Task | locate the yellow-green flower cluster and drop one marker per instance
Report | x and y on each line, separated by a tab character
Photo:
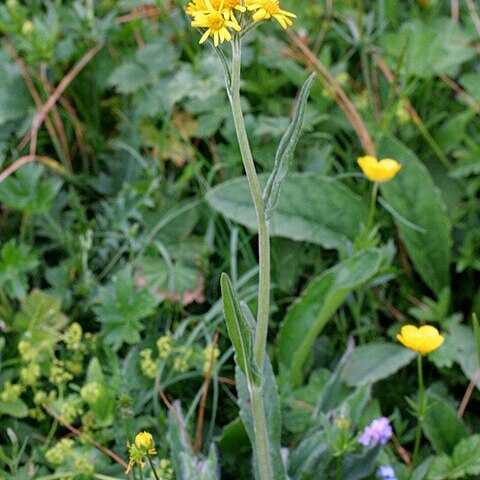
220	17
165	470
209	357
148	365
56	455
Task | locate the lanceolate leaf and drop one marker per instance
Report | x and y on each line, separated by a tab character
286	149
308	316
414	196
239	330
312	208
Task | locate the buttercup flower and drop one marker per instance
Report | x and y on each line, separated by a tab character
136	451
265	9
378	432
378	170
386	472
216	22
424	340
144	441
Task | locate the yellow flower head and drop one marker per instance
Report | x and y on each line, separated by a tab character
378	170
196	6
144	441
265	9
216	22
424	340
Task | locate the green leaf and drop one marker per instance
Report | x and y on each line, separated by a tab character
311	457
442	426
25	190
239	330
360	465
414	196
286	149
129	77
121	307
177	440
271	401
14	408
307	317
312	208
15	262
375	361
464	461
476	335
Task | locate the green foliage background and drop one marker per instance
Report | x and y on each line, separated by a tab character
112	243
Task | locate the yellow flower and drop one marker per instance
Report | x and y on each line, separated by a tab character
378	170
265	9
424	340
216	22
196	6
144	441
136	451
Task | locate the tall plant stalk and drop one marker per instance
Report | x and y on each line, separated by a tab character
261	446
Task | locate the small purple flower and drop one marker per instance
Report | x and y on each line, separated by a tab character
378	432
386	472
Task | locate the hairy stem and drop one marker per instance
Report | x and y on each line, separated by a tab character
261	446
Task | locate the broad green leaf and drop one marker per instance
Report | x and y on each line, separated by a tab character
271	401
311	457
465	461
312	208
307	317
14	408
442	426
239	330
357	466
121	307
462	337
15	262
205	469
375	361
27	192
414	196
285	150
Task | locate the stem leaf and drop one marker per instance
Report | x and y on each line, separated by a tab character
286	149
240	325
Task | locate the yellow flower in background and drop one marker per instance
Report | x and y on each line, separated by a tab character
265	9
424	340
144	441
378	170
196	6
136	451
216	22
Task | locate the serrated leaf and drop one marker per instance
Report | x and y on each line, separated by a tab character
375	361
312	208
129	77
310	313
239	330
464	461
26	191
15	262
286	149
120	308
414	196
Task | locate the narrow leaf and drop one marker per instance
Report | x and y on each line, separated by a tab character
286	149
239	329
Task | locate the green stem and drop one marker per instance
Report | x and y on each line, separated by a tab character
256	191
373	204
153	468
420	411
141	472
262	447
